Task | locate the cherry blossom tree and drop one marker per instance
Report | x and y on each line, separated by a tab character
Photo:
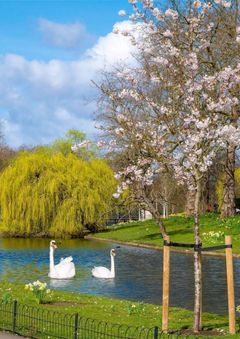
174	108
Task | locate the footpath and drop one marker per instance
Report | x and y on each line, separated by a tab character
8	335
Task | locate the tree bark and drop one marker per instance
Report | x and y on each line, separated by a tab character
152	207
197	264
228	208
156	215
228	200
189	208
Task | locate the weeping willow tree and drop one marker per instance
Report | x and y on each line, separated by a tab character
54	195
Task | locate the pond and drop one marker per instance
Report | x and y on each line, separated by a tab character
138	272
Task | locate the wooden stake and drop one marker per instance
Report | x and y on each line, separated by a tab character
200	325
230	286
166	280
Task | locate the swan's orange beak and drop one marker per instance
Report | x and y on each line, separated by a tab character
114	253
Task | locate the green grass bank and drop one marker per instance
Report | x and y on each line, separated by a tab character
179	228
114	310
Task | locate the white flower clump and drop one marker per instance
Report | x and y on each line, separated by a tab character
224	3
147	3
39	289
122	12
38	285
83	144
213	236
171	13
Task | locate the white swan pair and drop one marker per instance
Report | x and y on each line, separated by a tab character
64	270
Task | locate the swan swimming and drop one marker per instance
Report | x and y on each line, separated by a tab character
64	270
103	272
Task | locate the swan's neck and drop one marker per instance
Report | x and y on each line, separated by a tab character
51	256
112	266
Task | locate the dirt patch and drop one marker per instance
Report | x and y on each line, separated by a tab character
207	333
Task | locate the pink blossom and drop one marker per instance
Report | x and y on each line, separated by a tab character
171	13
197	3
122	12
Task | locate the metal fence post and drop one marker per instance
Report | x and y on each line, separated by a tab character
76	326
14	315
155	333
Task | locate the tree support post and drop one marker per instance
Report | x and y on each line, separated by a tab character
230	285
166	281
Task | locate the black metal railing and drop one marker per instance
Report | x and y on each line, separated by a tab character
36	322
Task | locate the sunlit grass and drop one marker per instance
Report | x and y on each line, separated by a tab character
112	310
179	228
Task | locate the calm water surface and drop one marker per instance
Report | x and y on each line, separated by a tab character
138	271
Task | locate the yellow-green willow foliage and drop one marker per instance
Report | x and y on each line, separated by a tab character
219	186
54	195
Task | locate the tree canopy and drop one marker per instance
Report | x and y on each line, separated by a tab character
64	145
57	195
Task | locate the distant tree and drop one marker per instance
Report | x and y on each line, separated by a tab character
64	145
54	195
6	155
220	186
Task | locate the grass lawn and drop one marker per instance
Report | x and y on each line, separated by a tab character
113	310
179	228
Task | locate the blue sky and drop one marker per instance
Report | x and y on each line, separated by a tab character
50	51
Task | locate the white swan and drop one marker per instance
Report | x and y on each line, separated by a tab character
103	272
64	270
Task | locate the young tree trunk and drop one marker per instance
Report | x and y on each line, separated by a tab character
197	264
152	207
156	215
189	208
228	199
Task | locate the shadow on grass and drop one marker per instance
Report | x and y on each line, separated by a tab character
118	227
153	236
181	231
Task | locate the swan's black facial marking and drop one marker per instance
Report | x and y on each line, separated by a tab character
53	244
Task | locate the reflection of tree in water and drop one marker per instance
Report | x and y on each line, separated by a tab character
39	243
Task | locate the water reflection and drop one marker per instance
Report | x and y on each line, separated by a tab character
56	283
138	272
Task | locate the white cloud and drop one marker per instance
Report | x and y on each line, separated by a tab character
12	133
62	35
45	99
